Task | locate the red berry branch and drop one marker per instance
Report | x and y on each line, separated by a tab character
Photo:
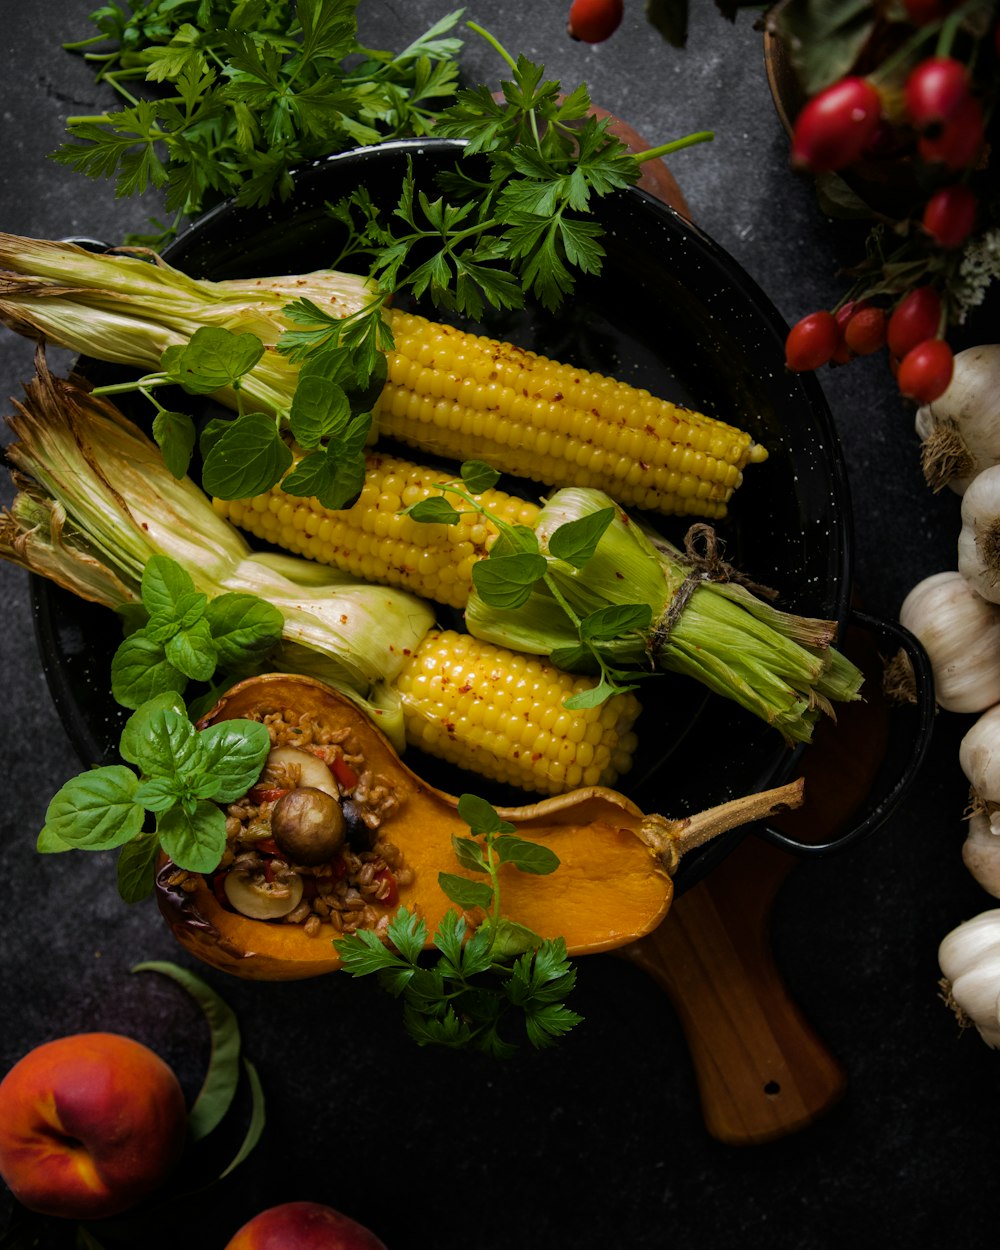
918	102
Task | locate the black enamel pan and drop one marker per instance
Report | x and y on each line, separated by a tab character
671	312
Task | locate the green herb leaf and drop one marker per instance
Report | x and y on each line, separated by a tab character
175	435
214	358
511	939
478	477
481	816
507	581
136	867
616	620
192	652
320	409
136	732
464	892
576	541
434	510
527	856
140	671
469	854
195	841
246	459
595	696
96	810
233	753
244	628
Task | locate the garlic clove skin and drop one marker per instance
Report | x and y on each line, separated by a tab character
979	539
960	631
960	431
981	852
969	958
979	756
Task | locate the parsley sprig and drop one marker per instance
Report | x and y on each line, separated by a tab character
244	93
518	220
479	978
517	568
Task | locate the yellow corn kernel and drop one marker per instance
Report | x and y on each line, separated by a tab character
501	715
375	544
465	397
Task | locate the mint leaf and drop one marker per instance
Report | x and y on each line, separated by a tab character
175	435
192	652
164	585
245	459
96	810
214	358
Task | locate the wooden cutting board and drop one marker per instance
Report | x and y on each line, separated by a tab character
761	1068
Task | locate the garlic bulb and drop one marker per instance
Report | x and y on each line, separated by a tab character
960	631
960	431
981	852
979	757
969	958
979	540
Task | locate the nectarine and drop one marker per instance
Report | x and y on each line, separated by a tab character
90	1124
303	1226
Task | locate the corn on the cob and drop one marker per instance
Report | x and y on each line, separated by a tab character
501	714
372	541
465	397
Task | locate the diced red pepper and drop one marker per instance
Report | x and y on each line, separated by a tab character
266	794
268	846
392	897
344	773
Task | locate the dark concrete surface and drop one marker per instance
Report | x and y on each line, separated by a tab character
602	1142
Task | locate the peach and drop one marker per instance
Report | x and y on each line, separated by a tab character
89	1125
303	1226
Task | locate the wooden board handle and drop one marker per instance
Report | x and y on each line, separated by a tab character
762	1071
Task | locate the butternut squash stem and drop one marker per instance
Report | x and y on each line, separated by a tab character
671	839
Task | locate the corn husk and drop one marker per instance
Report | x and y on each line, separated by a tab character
780	666
95	501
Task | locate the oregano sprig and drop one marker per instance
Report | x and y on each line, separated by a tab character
480	978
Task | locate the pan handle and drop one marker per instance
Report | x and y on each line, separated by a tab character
920	723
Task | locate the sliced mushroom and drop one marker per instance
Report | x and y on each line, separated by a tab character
308	825
306	767
259	899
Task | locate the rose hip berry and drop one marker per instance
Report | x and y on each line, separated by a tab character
593	21
865	331
915	318
935	90
811	342
925	371
950	214
956	144
836	125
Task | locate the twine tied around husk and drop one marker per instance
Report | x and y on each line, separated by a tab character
703	556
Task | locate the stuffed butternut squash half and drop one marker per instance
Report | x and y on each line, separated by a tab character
338	834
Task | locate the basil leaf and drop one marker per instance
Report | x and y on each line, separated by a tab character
478	476
246	459
576	541
140	671
244	628
97	809
175	435
136	731
156	794
170	745
194	842
616	620
192	651
233	753
464	892
507	581
213	358
136	867
481	816
527	856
